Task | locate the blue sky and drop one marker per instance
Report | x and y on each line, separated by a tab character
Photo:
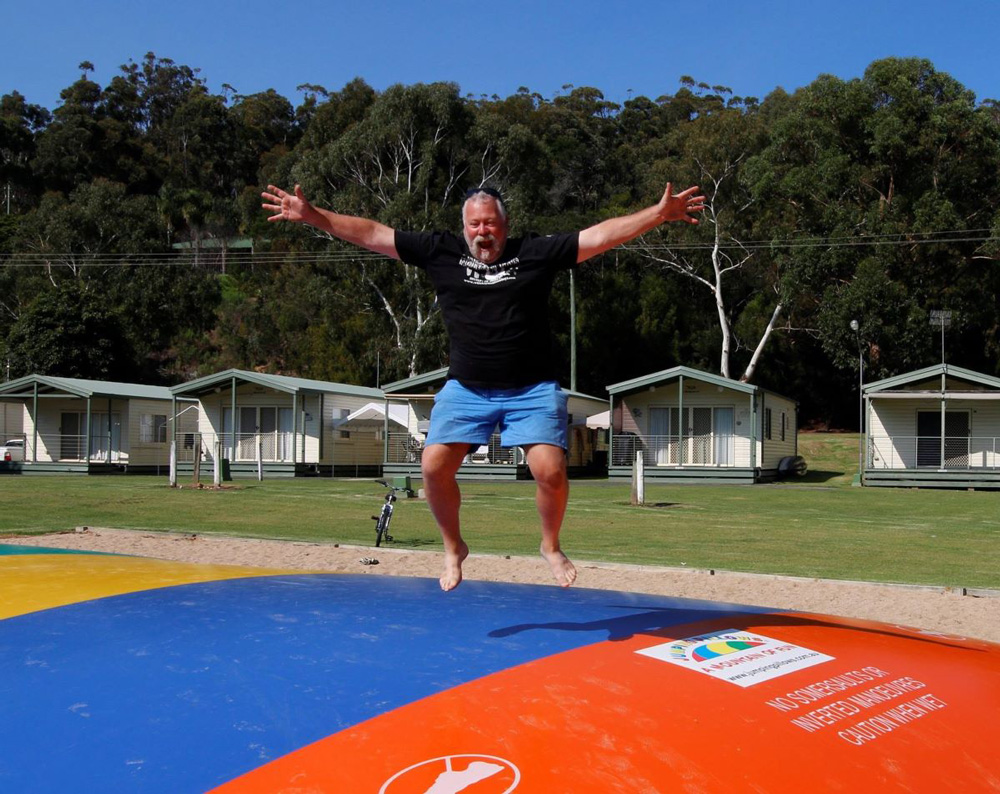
636	46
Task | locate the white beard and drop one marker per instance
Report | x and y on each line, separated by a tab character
484	254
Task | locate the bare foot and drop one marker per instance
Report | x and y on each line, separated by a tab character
562	569
452	576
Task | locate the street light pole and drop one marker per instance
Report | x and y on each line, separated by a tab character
856	327
572	331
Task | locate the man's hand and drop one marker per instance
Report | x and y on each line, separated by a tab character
287	207
295	208
607	234
680	207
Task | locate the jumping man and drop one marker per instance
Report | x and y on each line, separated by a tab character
494	294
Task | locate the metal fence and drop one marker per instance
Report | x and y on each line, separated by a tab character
270	447
961	453
406	448
70	448
703	450
64	447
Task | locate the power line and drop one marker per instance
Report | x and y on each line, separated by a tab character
186	259
909	238
215	257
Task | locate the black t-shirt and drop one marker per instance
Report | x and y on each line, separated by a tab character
496	315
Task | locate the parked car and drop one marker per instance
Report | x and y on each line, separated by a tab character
13	449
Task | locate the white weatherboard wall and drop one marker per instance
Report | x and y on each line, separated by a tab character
57	442
636	407
155	452
418	414
314	411
13	419
893	427
784	422
697	394
344	445
53	441
249	395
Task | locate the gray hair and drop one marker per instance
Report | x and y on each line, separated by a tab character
481	194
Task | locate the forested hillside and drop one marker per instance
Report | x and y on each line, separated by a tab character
133	246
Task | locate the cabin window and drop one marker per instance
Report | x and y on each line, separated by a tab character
153	428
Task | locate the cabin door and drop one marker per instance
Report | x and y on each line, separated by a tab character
70	437
956	439
663	435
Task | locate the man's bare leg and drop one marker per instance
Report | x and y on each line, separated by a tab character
439	464
548	467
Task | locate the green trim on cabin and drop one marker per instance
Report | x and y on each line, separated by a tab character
407	385
469	472
692	475
80	387
216	244
283	383
948	370
916	478
424	379
678	372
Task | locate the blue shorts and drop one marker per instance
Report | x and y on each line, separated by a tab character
527	415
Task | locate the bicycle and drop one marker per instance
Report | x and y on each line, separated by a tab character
384	517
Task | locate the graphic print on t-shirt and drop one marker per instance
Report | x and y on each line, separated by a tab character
481	274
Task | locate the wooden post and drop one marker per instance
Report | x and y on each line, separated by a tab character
217	474
173	464
638	479
196	463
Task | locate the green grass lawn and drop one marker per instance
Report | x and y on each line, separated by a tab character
817	525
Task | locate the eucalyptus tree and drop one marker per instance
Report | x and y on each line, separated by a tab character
579	130
887	182
404	163
722	257
263	126
68	149
60	301
103	246
70	331
97	221
506	150
20	123
322	122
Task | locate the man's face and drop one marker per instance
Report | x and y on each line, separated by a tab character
485	229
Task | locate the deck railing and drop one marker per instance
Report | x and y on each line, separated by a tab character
70	448
406	448
961	453
270	447
704	450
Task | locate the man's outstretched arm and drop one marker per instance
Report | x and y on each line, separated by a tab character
295	208
607	234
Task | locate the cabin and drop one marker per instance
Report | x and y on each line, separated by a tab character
693	426
413	400
80	426
284	426
937	427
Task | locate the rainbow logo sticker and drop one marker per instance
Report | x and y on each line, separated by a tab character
736	656
713	650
